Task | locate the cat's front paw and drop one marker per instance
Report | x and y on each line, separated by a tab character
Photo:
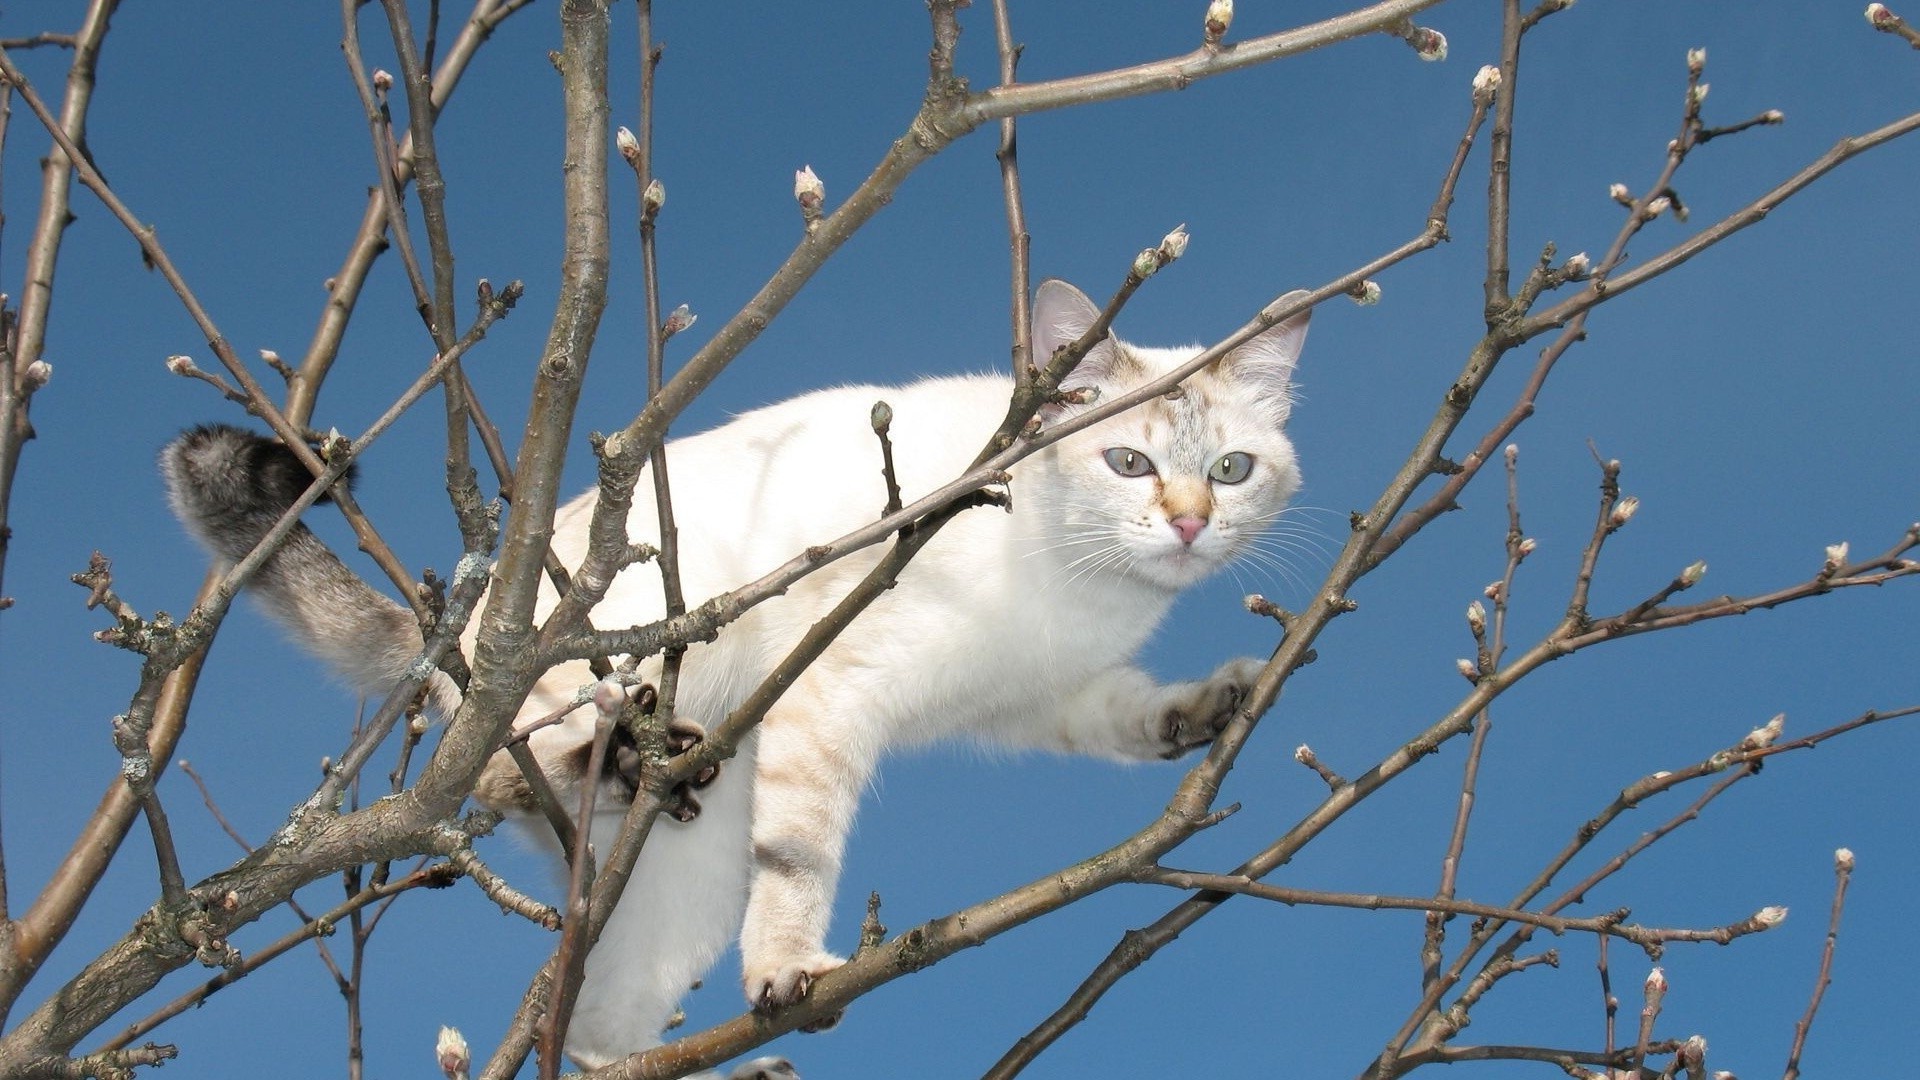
624	763
1193	714
785	981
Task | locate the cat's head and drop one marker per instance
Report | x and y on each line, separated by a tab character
1175	488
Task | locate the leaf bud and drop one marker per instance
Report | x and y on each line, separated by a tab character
808	191
1836	556
1174	244
1623	511
1766	734
451	1050
678	319
1486	83
1219	20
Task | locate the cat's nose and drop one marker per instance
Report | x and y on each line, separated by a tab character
1188	526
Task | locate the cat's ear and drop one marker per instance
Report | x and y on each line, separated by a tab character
1061	314
1266	362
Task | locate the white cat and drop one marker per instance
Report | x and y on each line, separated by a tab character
1012	628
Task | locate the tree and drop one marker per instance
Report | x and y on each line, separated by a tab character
1744	367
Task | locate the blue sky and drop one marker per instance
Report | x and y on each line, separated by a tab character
1762	398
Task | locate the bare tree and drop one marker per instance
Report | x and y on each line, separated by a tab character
95	1020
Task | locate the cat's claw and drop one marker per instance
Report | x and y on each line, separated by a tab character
1198	711
788	982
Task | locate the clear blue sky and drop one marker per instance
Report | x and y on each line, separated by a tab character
1762	398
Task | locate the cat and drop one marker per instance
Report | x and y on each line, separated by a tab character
1012	628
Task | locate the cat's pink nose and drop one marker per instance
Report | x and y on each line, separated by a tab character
1188	526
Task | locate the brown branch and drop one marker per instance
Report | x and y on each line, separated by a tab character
1887	22
1609	924
569	958
260	404
1843	873
24	333
431	877
1019	241
343	288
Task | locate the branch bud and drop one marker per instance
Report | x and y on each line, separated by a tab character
627	143
1477	618
1623	511
1303	754
881	417
451	1050
653	198
678	319
1512	452
1146	263
1486	83
1526	547
181	365
1693	573
1428	44
382	80
1174	244
1219	20
809	192
37	375
1366	294
1698	93
1696	61
1770	916
1693	1052
1619	193
1843	859
1492	591
1577	267
1766	734
1773	116
1836	557
1879	17
1656	982
1468	670
1657	207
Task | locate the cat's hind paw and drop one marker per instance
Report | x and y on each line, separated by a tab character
1194	713
775	986
764	1068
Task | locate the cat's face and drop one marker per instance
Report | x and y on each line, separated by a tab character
1172	490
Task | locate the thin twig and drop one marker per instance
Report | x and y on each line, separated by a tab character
1019	241
1843	873
431	877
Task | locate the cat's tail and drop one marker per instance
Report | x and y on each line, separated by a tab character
228	486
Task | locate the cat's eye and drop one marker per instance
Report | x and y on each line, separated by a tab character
1128	462
1232	468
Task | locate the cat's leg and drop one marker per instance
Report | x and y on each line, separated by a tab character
813	762
1123	713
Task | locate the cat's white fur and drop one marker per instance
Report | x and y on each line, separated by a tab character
1013	628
